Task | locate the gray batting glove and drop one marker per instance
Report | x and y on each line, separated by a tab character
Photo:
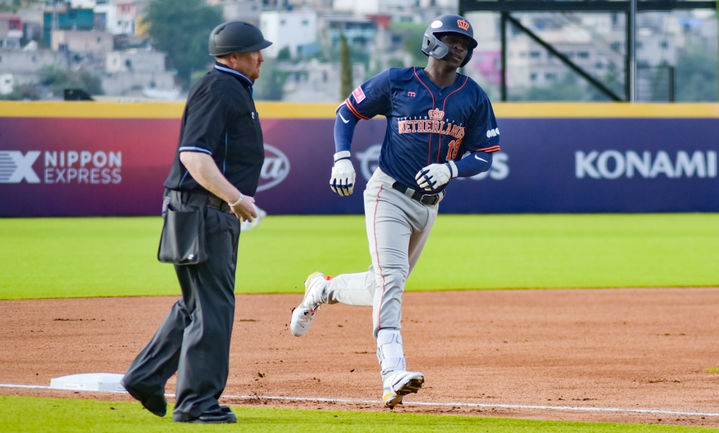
342	180
433	176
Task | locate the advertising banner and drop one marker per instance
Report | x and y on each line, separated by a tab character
87	166
76	167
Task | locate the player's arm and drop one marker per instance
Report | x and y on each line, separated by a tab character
343	173
345	123
433	176
472	164
371	98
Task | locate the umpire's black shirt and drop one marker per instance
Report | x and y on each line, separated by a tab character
220	119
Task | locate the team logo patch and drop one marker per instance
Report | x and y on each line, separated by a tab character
463	24
358	95
411	94
436	114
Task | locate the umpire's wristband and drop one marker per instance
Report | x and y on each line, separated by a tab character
239	200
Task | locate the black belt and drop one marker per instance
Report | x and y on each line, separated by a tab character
428	199
200	198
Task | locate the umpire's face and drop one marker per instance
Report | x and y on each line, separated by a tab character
248	64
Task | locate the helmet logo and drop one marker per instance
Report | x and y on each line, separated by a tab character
436	114
463	24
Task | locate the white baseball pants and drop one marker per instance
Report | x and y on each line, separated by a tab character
397	230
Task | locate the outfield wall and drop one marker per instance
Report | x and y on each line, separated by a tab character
102	158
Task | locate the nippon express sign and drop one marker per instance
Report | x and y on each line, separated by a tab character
101	167
61	167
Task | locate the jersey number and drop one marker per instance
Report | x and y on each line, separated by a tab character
453	149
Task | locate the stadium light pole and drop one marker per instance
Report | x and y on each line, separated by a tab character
633	51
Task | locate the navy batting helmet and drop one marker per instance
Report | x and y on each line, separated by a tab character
236	37
432	46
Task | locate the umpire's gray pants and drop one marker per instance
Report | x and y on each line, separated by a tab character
194	338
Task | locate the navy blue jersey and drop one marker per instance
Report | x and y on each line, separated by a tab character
425	124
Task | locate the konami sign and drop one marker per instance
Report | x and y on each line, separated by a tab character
613	164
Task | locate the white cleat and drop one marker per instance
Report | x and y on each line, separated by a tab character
304	314
398	384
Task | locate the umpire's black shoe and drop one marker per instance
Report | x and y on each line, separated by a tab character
155	403
221	416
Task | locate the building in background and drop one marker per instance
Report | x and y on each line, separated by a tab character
100	37
138	73
596	42
242	10
118	17
10	30
82	42
359	31
294	30
7	84
60	17
23	65
108	38
427	9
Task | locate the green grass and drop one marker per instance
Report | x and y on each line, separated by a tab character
77	257
50	415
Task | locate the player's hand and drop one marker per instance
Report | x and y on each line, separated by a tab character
433	176
343	174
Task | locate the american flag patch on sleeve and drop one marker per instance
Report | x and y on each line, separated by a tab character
358	94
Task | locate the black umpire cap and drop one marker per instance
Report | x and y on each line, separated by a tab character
236	37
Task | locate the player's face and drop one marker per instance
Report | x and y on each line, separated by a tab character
458	48
248	64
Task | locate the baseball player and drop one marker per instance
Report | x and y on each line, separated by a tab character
440	125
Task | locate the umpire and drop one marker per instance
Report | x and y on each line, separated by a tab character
208	193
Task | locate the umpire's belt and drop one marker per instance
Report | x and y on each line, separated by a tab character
428	199
200	198
216	202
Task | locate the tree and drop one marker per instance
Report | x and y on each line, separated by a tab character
23	92
14	5
659	78
412	35
696	74
181	29
345	67
611	81
569	87
284	54
52	81
269	87
57	80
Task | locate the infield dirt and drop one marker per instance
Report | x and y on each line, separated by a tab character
626	349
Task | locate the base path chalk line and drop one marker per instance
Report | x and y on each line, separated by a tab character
418	403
